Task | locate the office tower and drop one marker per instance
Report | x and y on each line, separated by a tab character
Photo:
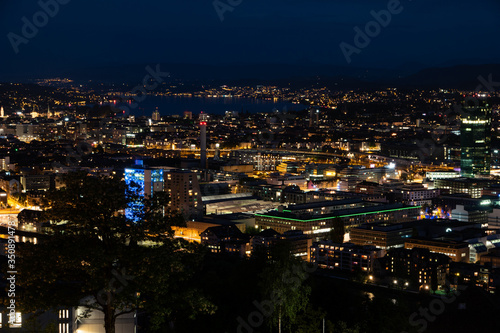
144	182
475	138
217	152
5	163
203	140
147	180
184	192
314	117
156	115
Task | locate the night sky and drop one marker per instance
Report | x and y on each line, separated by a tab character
115	32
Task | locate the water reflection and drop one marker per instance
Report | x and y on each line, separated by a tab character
371	297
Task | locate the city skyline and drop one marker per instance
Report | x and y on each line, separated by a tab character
249	166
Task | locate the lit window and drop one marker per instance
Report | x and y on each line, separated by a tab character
17	320
64	328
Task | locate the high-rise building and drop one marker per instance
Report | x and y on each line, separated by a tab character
475	138
145	182
203	140
148	181
181	185
314	117
184	192
156	115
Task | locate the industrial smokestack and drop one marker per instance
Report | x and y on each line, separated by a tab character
203	140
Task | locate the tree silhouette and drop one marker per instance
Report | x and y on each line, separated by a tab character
337	231
282	284
97	258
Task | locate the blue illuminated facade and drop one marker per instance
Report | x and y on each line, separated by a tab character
144	182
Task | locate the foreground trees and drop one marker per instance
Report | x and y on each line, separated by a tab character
283	287
96	257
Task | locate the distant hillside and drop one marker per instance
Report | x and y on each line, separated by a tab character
301	75
230	72
459	77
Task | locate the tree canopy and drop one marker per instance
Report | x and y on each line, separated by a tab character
97	257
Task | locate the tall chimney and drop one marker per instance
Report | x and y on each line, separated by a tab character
203	140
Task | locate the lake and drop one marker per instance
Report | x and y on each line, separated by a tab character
172	105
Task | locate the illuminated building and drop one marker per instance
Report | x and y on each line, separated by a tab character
288	180
457	251
26	132
36	182
420	266
475	139
5	164
345	257
472	214
225	239
184	192
235	203
289	167
368	188
370	146
203	140
3	198
433	175
320	225
348	184
147	180
381	235
451	153
144	183
417	195
261	160
314	117
492	258
494	219
320	171
298	243
472	187
156	115
368	174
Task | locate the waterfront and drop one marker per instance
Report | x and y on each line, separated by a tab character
173	105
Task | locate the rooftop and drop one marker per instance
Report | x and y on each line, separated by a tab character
339	213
